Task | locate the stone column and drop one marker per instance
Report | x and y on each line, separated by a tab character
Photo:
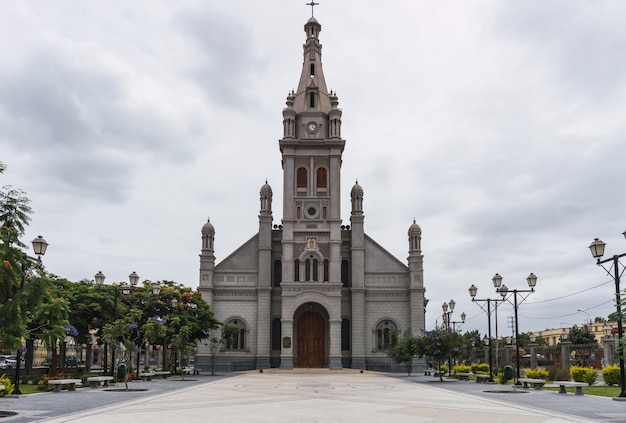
565	355
508	353
286	353
533	356
607	344
334	358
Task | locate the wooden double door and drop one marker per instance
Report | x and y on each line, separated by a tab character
311	340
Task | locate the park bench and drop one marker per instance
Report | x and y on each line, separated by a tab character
537	383
482	378
94	381
463	376
190	370
2	388
147	376
60	382
162	374
567	384
428	372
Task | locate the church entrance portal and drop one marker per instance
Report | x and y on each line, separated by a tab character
311	340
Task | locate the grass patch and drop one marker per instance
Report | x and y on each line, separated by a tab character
601	391
26	389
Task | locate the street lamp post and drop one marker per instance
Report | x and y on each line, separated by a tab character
39	247
446	318
597	251
503	290
473	291
99	278
174	303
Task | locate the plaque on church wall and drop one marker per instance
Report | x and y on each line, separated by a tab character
286	342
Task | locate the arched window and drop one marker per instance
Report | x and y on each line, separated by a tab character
238	340
386	335
278	272
345	273
312	99
345	335
296	271
311	269
326	270
307	270
276	333
322	181
312	73
301	178
298	213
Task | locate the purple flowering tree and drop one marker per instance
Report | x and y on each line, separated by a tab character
438	344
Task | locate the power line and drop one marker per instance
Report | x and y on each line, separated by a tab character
568	295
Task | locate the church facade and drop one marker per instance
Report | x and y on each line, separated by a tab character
312	291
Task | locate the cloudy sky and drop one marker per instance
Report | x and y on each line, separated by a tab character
498	125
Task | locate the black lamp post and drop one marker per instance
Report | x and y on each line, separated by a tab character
39	247
597	251
174	303
473	291
125	289
504	291
446	318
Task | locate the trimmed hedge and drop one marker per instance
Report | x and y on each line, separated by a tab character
584	374
611	375
537	374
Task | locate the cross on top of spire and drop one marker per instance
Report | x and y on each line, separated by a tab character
312	4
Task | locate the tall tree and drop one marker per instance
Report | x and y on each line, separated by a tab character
438	344
14	215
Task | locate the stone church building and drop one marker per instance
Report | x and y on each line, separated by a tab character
311	291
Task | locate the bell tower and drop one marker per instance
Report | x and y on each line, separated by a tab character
311	150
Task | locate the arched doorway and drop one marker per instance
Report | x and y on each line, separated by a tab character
311	340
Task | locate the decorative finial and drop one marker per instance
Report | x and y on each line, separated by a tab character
312	4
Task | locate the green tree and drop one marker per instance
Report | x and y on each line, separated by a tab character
216	339
403	351
438	344
14	214
583	342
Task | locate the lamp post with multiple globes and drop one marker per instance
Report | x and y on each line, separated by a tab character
503	290
597	251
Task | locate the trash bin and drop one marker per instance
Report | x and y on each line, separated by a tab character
121	371
507	372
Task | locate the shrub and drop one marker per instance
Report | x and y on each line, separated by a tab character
8	386
537	374
611	375
443	369
557	373
480	368
584	374
461	368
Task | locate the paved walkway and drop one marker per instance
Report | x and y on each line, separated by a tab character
278	396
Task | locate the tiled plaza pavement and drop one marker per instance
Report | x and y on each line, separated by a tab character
295	396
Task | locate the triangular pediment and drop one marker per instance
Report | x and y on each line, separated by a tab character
244	258
379	260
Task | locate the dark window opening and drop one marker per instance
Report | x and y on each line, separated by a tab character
345	335
322	181
276	333
311	99
301	178
296	272
326	271
312	69
278	272
345	273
